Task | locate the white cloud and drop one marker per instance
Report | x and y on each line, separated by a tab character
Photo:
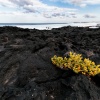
37	11
81	3
36	6
6	3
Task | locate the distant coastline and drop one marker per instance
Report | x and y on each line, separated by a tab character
48	26
29	23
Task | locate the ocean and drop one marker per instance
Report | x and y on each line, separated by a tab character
49	26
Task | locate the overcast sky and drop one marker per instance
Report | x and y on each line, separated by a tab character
49	11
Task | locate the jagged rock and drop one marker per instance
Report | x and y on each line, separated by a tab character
26	71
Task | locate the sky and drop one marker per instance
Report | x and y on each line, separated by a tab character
49	11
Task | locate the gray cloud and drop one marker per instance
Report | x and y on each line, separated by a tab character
29	9
89	16
21	2
67	16
46	15
76	1
74	16
56	14
26	5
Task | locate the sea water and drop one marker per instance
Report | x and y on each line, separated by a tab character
49	26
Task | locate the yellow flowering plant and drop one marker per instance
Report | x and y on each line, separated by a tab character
76	63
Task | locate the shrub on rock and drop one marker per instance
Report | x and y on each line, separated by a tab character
76	63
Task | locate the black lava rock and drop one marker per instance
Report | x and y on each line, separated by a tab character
26	71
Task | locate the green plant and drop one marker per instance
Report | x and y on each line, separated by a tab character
76	63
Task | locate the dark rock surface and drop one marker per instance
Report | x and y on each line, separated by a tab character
26	71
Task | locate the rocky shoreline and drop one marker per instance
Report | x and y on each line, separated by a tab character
26	71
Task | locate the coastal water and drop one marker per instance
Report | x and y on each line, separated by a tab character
49	26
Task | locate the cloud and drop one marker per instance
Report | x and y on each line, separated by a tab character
37	11
73	1
29	9
74	16
81	3
37	7
56	14
89	16
46	15
21	2
6	3
34	11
